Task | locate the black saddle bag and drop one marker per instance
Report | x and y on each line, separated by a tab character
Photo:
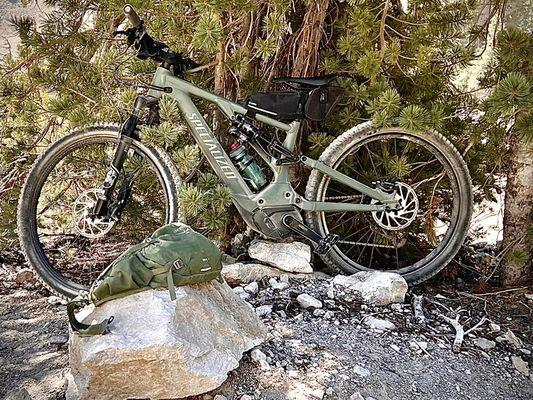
314	105
283	106
321	101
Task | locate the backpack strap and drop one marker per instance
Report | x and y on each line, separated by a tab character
80	327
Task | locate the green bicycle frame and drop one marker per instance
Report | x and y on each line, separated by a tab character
279	192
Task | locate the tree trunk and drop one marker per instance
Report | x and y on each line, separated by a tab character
518	211
518	215
308	40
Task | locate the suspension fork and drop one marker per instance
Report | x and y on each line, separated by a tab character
126	136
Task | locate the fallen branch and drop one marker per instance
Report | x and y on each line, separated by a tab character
459	331
476	326
418	309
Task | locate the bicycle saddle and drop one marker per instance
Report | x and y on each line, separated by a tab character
317	81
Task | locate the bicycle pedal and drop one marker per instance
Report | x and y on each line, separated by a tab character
326	243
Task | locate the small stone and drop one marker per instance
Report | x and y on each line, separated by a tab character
422	345
274	284
529	296
55	301
318	312
59	340
330	391
330	293
317	394
264	310
361	371
494	327
220	397
378	323
520	365
239	291
484	344
510	338
246	397
395	348
329	314
375	287
24	275
525	352
356	396
252	288
308	301
260	358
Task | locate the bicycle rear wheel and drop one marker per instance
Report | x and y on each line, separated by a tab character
432	184
66	247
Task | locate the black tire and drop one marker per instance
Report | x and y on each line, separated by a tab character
442	254
39	173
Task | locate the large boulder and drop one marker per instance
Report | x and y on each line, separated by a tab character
159	348
291	257
375	287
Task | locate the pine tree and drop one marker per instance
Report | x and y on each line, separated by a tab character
508	122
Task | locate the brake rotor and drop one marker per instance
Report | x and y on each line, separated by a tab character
87	226
395	220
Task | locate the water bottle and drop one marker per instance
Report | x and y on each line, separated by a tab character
247	166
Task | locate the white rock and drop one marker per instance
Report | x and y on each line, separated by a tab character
220	397
252	288
395	348
246	397
375	287
510	338
494	327
529	296
239	291
264	310
378	323
520	365
484	344
290	257
159	348
242	274
356	396
260	358
274	284
307	301
361	371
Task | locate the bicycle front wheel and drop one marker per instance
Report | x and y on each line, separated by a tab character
432	185
66	247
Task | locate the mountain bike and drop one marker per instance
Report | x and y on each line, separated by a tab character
376	199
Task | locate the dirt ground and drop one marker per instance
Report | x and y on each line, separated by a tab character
311	357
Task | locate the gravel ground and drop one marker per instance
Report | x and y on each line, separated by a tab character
326	354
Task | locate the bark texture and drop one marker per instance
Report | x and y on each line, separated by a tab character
518	214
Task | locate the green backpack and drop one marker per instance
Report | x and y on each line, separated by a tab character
174	255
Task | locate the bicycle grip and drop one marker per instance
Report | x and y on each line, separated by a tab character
132	15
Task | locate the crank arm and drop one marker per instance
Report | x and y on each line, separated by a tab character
323	243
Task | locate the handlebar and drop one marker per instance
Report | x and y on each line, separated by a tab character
133	17
147	47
